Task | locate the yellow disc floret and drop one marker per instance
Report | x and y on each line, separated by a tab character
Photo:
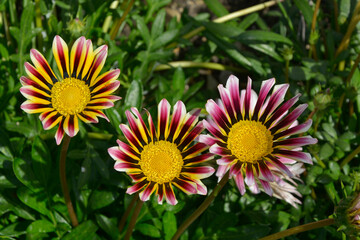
70	96
249	141
161	161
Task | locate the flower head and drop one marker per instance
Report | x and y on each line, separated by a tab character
348	216
158	159
80	93
251	134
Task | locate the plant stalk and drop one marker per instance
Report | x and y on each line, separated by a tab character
133	220
202	207
350	156
299	229
189	64
127	212
64	186
115	29
231	16
354	67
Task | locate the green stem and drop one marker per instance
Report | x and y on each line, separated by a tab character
354	67
115	29
350	156
299	229
189	64
133	220
127	212
229	17
202	207
64	186
38	23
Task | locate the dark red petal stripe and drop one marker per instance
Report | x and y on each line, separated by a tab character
96	63
227	103
105	79
191	136
36	74
61	54
78	53
247	99
289	119
44	64
264	91
193	115
28	82
281	110
134	127
198	147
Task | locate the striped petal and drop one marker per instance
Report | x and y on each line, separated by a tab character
295	142
163	119
169	194
36	76
146	193
61	55
233	86
218	115
34	107
297	156
98	63
85	65
51	120
59	135
185	186
198	172
239	180
42	66
137	187
264	91
71	125
77	56
179	114
228	106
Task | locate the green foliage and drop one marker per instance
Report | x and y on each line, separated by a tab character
278	42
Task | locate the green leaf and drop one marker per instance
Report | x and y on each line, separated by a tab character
114	117
144	31
41	226
216	7
101	198
306	10
101	166
169	225
23	171
148	230
260	36
178	84
229	49
158	24
108	225
41	161
193	89
223	29
268	50
164	39
326	151
15	229
36	200
134	95
248	21
85	230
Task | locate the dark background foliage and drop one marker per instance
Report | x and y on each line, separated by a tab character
147	41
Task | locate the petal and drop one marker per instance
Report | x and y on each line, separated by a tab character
198	172
221	151
199	159
267	187
28	82
71	125
275	100
61	55
132	139
194	150
228	106
265	172
289	119
295	142
163	119
36	76
137	187
146	193
207	139
98	64
42	66
214	130
232	85
35	95
201	188
218	115
247	99
280	166
100	103
297	156
86	59
279	113
119	155
34	107
294	130
105	89
59	133
169	194
179	114
126	167
151	126
239	180
250	178
103	79
195	132
136	128
185	186
51	120
189	122
226	160
77	56
264	91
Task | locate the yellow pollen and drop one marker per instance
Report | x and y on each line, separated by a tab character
249	141
70	96
161	161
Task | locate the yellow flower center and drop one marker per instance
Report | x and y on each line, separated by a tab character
70	96
249	141
161	161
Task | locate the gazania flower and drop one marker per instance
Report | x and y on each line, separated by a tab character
348	216
251	134
158	160
80	93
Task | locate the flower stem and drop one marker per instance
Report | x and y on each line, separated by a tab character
127	212
115	29
189	64
64	186
133	220
202	207
299	229
350	156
